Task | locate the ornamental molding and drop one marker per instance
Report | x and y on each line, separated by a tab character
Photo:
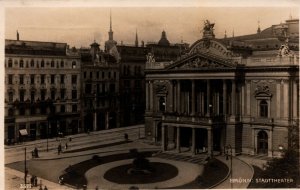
264	81
262	90
201	63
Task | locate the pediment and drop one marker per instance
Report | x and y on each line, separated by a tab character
201	61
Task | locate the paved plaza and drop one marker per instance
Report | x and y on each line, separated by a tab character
188	170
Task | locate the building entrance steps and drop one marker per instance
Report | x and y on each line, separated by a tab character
184	157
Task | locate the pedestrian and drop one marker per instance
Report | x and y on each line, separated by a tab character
32	180
59	149
36	152
35	181
41	187
45	188
66	146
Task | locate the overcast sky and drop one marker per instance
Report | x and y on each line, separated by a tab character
80	26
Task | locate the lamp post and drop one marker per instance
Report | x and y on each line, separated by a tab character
228	152
25	169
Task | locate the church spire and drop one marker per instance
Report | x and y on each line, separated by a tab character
18	36
258	28
136	39
110	33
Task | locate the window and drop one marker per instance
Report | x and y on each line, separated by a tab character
109	74
88	88
103	88
10	97
52	94
62	64
10	79
42	79
43	95
162	104
62	109
32	63
112	88
31	79
21	79
84	74
103	75
32	96
32	110
74	65
74	79
62	94
91	75
42	63
62	79
22	111
22	95
115	75
10	63
10	112
74	108
52	79
97	74
21	63
74	94
263	108
52	63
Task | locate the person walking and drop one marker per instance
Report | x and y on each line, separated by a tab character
66	146
45	188
59	149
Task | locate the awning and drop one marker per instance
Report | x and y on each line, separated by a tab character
23	132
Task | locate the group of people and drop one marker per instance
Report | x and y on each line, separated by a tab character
59	148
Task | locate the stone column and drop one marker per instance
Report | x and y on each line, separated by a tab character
106	120
147	95
270	143
171	97
224	98
193	140
295	100
178	97
151	95
233	98
163	139
248	95
285	100
193	97
95	122
208	97
209	141
178	140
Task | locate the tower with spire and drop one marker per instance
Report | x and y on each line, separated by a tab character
136	39
110	42
258	28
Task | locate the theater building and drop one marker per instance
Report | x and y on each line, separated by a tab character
42	90
240	91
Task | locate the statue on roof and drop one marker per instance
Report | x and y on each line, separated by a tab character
208	30
208	26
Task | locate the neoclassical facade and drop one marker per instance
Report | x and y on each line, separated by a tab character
241	91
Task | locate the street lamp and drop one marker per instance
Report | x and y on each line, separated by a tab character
228	152
25	169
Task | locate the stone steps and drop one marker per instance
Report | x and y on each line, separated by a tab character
196	159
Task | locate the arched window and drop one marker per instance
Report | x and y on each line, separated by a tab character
263	108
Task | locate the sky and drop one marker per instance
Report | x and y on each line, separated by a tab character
80	26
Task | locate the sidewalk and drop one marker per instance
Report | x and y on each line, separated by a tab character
242	173
14	179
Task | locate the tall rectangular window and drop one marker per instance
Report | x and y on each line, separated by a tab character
21	79
74	79
32	96
73	64
42	79
53	94
52	79
21	63
62	93
42	63
32	79
62	64
10	63
10	79
43	95
52	63
62	79
10	96
74	94
22	95
91	75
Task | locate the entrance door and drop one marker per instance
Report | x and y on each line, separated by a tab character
262	142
